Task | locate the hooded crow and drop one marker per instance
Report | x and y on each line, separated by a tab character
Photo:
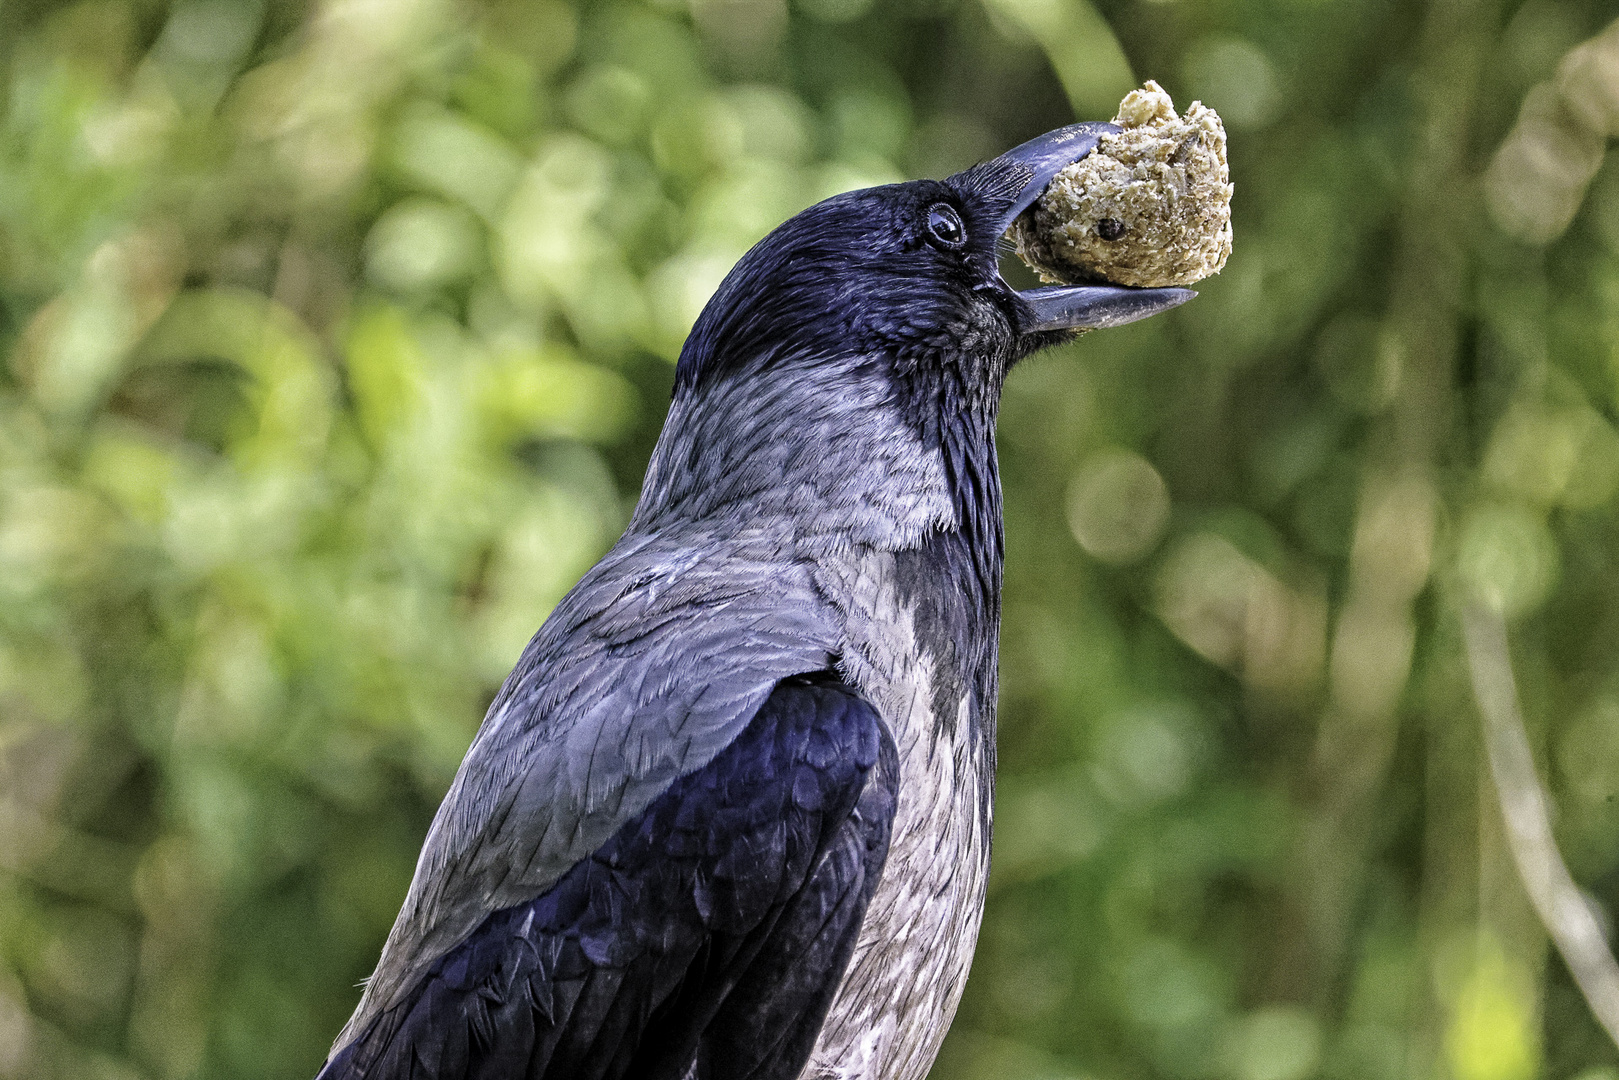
729	817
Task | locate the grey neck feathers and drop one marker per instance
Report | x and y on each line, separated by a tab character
827	457
816	462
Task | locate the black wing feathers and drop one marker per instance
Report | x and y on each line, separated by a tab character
712	928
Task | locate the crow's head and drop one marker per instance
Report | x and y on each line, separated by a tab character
908	272
846	376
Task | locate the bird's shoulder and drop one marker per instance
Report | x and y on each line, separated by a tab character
650	666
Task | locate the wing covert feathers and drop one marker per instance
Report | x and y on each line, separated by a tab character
712	928
654	662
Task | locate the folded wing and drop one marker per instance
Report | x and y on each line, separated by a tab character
709	931
651	665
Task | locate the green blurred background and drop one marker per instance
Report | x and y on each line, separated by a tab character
336	334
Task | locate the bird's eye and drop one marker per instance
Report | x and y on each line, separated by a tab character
945	225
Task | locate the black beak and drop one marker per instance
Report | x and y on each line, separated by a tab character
1072	307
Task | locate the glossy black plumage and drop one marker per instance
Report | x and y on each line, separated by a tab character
713	927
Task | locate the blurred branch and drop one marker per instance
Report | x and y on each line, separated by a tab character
1561	906
1084	53
1374	634
1538	177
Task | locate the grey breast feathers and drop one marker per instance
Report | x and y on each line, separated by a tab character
646	670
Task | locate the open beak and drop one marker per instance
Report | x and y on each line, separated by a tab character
1073	307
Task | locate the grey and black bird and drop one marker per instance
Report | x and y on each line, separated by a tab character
729	817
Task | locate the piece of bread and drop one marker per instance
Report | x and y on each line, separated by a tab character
1149	206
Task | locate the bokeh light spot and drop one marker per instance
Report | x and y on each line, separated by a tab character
1235	77
1118	506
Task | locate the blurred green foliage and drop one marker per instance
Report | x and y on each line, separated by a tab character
337	332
